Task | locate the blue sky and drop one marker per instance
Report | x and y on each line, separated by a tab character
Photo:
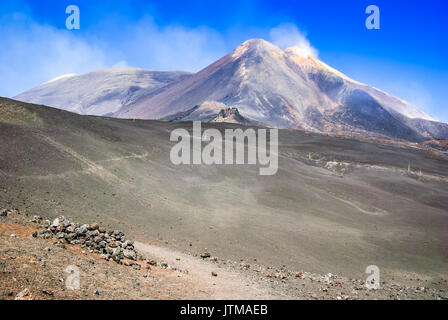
407	57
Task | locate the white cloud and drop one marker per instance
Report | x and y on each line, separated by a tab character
171	47
33	53
288	35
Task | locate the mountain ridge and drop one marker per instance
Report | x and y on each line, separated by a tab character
280	88
285	89
100	92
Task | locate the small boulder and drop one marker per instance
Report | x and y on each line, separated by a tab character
116	252
152	262
36	219
82	230
129	254
60	235
136	266
23	295
94	226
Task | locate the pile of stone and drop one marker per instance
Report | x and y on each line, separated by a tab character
111	245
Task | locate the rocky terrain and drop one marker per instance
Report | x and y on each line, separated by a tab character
212	111
36	263
37	259
336	205
232	115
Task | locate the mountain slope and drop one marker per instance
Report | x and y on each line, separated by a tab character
308	216
100	92
285	89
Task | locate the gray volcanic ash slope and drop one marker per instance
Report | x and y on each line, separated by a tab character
100	92
285	89
315	215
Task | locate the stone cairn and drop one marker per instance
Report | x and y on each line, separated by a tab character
111	245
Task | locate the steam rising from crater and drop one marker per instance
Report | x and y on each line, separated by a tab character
287	35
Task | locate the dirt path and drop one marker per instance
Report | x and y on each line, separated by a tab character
36	266
198	273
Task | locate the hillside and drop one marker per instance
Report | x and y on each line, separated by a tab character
353	203
100	92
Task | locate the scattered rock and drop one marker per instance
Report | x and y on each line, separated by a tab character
60	222
82	230
205	255
152	262
93	226
129	254
48	292
105	256
23	295
214	274
282	276
136	266
36	219
61	235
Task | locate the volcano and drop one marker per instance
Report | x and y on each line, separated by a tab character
286	89
279	88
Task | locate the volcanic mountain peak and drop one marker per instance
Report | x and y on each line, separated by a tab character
259	48
255	46
289	89
281	88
